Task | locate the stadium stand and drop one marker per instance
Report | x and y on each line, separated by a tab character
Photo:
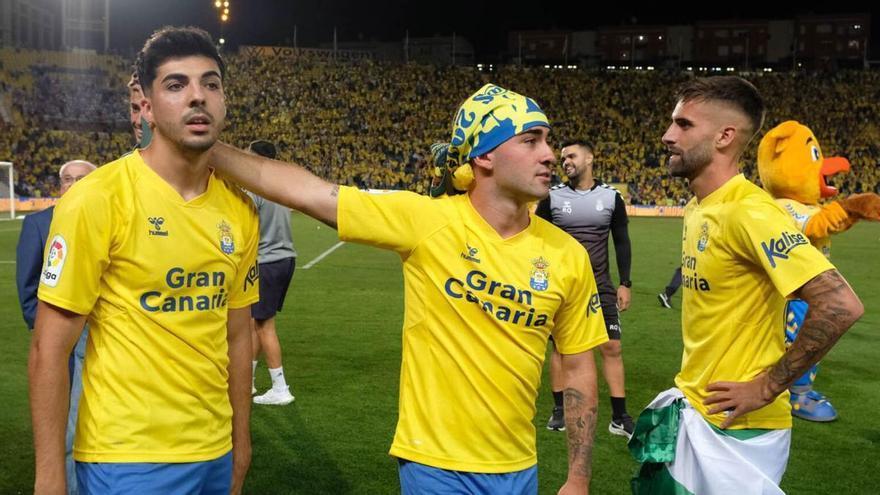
371	124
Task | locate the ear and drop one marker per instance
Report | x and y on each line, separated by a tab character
484	161
726	136
781	134
589	159
147	109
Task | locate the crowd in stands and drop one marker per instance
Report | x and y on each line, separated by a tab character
71	99
371	124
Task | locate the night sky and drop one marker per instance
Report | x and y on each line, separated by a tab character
485	24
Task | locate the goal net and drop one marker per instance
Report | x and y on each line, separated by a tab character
7	194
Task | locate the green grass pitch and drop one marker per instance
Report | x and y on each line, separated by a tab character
341	335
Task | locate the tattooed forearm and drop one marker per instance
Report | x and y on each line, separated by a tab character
580	424
833	308
335	191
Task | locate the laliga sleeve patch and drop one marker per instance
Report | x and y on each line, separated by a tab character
58	253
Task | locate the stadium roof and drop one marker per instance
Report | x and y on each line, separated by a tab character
485	24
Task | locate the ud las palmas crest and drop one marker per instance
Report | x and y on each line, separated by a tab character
703	241
540	276
227	243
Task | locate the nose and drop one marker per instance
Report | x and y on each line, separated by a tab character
548	158
197	96
668	137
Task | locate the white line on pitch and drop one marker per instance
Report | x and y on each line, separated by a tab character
323	255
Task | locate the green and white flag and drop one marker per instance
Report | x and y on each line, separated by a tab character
682	453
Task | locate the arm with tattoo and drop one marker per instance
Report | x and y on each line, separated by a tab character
833	308
581	403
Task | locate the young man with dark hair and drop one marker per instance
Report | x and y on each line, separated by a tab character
160	256
590	210
729	416
486	284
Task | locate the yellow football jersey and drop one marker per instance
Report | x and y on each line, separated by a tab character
741	257
801	214
479	309
156	275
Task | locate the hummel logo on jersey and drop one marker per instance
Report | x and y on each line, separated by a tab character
157	224
779	248
471	254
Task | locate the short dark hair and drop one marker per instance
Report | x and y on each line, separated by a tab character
174	42
263	148
580	142
732	90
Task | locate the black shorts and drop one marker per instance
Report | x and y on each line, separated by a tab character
612	316
274	280
612	326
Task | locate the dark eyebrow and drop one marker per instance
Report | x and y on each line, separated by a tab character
533	131
808	140
211	73
182	77
682	121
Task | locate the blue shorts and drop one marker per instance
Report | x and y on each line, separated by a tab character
126	478
419	479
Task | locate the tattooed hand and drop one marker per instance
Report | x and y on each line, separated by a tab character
833	308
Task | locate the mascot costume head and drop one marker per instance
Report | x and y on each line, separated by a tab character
795	172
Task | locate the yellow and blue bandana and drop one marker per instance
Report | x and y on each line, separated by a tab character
485	120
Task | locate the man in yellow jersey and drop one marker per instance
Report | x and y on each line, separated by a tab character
726	427
486	283
160	256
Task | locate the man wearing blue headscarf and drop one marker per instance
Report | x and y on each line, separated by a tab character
486	283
